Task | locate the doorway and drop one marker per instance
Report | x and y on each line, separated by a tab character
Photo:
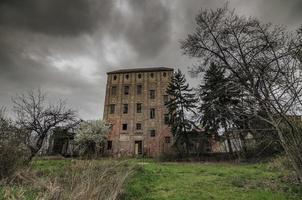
138	147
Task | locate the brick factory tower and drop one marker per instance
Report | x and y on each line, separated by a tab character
135	106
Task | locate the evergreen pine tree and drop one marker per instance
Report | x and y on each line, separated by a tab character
181	105
219	97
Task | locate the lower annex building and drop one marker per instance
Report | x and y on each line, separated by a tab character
135	106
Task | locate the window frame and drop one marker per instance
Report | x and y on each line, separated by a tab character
138	126
166	119
167	139
152	132
124	127
152	113
139	89
139	105
109	145
165	98
125	108
112	108
152	94
126	90
113	90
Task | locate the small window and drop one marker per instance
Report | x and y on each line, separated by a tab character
167	140
166	119
125	108
151	75
109	144
139	108
125	126
127	76
114	77
112	108
113	90
138	126
166	98
152	133
164	74
126	90
152	113
139	76
139	89
152	94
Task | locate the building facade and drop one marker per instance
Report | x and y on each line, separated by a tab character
135	106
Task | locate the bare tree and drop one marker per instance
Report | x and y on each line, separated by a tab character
38	119
265	60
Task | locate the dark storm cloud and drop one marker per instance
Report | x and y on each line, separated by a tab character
65	47
56	17
147	29
287	12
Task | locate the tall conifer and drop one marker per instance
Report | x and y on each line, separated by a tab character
181	104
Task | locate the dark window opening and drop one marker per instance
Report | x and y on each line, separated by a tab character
152	133
138	126
139	108
166	98
166	118
138	147
164	74
152	113
109	145
127	76
126	90
139	89
112	108
151	75
125	108
167	140
114	77
113	90
152	94
125	126
139	76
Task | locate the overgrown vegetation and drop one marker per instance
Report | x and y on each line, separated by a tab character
91	137
13	151
264	61
69	179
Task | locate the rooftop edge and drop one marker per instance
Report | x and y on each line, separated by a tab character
149	69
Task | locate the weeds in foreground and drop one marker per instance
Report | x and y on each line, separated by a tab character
81	180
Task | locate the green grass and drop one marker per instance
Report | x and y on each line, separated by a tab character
185	181
182	181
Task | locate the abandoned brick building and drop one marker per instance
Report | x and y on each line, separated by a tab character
135	106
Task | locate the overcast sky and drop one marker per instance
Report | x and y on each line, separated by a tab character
65	47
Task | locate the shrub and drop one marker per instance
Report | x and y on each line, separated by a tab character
13	152
91	137
11	158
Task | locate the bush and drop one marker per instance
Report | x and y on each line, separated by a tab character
12	156
91	137
13	152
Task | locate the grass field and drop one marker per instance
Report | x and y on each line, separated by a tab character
185	181
150	180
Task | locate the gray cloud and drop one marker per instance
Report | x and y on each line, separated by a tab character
59	17
65	47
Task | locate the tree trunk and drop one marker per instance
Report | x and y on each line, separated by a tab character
35	149
229	144
244	148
